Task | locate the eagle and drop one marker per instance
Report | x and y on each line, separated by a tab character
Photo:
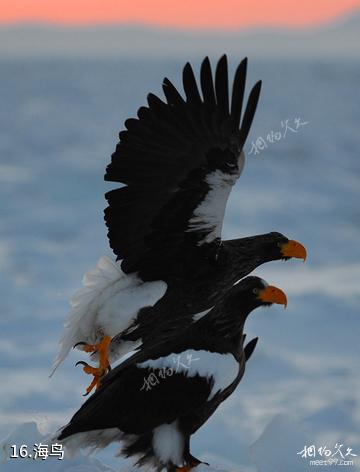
177	163
154	400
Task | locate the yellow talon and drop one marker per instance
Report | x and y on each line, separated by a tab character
103	350
95	383
185	468
98	372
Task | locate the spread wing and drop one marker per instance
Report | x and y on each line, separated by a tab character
178	160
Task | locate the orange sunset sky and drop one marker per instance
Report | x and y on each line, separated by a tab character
223	14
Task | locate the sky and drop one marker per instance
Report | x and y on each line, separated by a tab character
206	14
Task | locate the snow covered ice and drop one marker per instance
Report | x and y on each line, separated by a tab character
272	452
29	434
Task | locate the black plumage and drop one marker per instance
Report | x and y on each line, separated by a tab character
168	158
179	160
156	424
204	285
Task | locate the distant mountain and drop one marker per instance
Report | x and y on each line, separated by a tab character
337	39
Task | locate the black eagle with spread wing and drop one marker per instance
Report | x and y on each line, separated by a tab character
179	160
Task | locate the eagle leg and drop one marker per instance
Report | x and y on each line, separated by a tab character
191	463
102	349
184	468
97	372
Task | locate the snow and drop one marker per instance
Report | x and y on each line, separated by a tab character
29	434
222	368
278	448
282	434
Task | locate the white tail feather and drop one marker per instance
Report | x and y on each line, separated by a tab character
107	303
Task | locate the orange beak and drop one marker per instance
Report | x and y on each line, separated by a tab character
272	294
293	249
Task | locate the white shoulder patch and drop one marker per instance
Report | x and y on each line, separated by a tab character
209	215
222	368
107	304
